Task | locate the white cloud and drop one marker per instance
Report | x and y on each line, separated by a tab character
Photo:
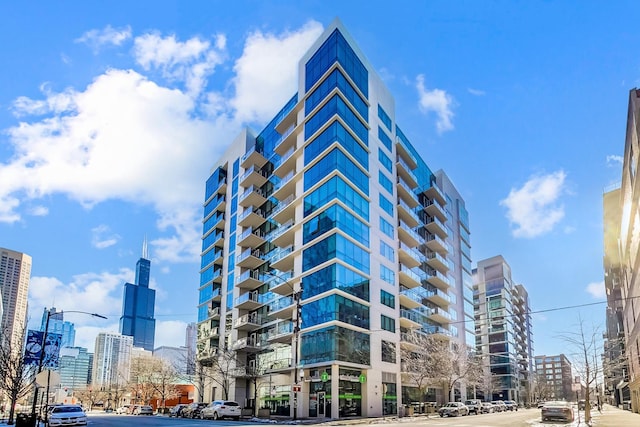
437	101
614	160
267	71
190	61
102	237
534	209
39	211
170	333
476	92
96	39
597	290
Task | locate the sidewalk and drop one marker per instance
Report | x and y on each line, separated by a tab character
614	417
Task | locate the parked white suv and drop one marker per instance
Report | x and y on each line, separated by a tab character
221	409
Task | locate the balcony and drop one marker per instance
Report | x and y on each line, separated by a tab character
254	176
282	258
410	319
286	186
410	257
214	313
439	330
251	217
249	258
250	280
405	154
406	193
281	308
411	298
439	315
217	276
248	322
409	277
436	244
252	196
216	296
406	214
406	172
438	297
284	210
252	157
434	192
287	139
439	280
438	262
284	235
248	301
281	284
286	163
435	209
251	343
435	226
281	333
408	235
251	238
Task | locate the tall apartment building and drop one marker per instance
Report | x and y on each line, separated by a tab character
190	344
57	325
75	368
615	363
111	359
503	330
326	240
554	379
15	275
627	249
138	306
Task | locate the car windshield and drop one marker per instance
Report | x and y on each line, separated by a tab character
61	409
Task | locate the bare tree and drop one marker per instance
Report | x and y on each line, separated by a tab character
587	347
16	378
221	369
143	369
164	382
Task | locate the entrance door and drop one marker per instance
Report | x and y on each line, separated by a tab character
321	404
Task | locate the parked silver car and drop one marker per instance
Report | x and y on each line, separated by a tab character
453	409
221	409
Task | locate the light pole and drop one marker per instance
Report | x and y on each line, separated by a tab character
41	360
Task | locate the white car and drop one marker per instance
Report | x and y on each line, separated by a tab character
143	410
221	409
453	409
67	415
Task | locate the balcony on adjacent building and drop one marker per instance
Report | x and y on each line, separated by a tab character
250	258
251	217
435	226
406	172
287	139
406	193
439	280
411	298
284	235
213	313
284	210
438	297
410	319
285	163
439	315
433	208
216	295
248	322
253	176
282	258
436	243
409	277
434	192
282	332
252	157
249	279
252	196
408	215
248	301
281	308
411	257
405	154
286	186
282	284
438	262
251	238
251	343
408	235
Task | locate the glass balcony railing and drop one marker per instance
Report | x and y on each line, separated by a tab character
283	204
278	231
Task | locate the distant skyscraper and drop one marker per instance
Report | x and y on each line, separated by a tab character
190	344
75	367
111	359
139	305
57	325
15	274
174	356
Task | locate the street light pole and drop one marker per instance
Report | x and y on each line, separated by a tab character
41	361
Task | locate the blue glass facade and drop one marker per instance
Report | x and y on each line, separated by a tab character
138	308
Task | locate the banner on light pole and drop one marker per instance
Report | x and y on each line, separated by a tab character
33	349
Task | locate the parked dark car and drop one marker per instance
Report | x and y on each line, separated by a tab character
176	411
192	410
557	410
511	405
473	405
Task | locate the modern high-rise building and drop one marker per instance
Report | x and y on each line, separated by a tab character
327	241
615	363
75	368
623	249
554	378
15	275
138	306
57	325
503	330
111	360
190	343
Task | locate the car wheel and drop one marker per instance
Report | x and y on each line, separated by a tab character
441	415
215	416
201	416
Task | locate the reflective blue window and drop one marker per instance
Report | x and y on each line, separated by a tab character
335	307
336	106
234	205
231	281
336	160
211	238
336	132
388	275
384	117
203	313
387	299
205	293
232	243
384	138
385	160
336	188
233	225
213	204
234	186
387	323
236	167
231	262
386	205
335	217
333	80
336	246
385	182
335	276
336	48
386	227
387	251
335	343
213	182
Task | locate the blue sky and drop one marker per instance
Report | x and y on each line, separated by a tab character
112	114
